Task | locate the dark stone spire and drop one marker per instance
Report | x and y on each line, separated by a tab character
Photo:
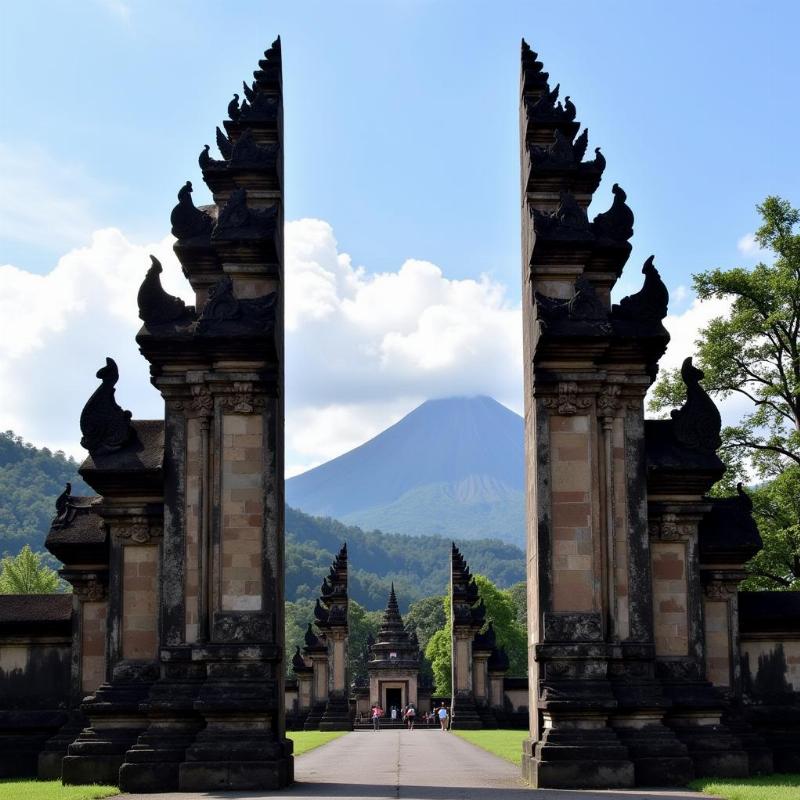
468	608
105	426
332	604
394	645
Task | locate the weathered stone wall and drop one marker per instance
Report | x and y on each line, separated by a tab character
670	598
242	512
140	602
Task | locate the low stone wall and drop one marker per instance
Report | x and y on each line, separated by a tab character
769	632
35	683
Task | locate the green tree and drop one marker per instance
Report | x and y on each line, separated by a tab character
439	653
501	611
362	625
511	635
25	574
519	596
425	617
754	352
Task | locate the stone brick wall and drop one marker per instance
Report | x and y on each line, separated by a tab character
718	643
573	548
192	517
670	598
242	512
140	602
93	644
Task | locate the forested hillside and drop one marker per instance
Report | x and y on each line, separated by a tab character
30	481
418	565
32	478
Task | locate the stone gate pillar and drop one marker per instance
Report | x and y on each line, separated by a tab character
596	705
331	615
216	715
467	615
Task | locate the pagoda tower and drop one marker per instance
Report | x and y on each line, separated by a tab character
597	707
393	664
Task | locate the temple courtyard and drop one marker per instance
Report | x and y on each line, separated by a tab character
418	765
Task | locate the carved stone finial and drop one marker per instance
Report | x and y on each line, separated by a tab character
156	307
105	426
188	221
233	107
224	144
697	424
62	501
650	303
616	223
238	221
745	498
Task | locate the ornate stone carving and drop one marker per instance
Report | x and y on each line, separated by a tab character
650	303
187	220
156	307
697	424
568	626
225	314
237	221
567	222
243	400
608	400
719	591
616	224
568	401
91	590
105	426
233	107
202	404
546	108
679	670
668	529
139	530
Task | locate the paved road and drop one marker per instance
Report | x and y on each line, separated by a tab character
418	765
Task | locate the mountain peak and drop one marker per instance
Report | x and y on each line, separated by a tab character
464	450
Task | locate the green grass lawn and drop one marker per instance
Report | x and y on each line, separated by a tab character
766	787
504	743
305	740
52	790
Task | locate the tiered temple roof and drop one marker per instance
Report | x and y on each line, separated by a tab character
394	646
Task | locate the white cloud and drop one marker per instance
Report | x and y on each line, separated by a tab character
362	349
749	247
684	329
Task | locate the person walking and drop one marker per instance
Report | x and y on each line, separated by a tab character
377	712
442	714
411	715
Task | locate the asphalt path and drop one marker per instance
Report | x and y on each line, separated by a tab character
411	765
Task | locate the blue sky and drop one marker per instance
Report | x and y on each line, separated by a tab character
401	125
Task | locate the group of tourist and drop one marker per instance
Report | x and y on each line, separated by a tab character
409	716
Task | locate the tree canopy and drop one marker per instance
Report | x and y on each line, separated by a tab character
753	352
26	574
503	613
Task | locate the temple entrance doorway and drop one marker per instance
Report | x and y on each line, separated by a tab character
394	698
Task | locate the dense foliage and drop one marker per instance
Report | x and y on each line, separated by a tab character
30	481
418	565
753	352
26	574
502	611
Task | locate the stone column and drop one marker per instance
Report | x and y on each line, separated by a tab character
131	641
